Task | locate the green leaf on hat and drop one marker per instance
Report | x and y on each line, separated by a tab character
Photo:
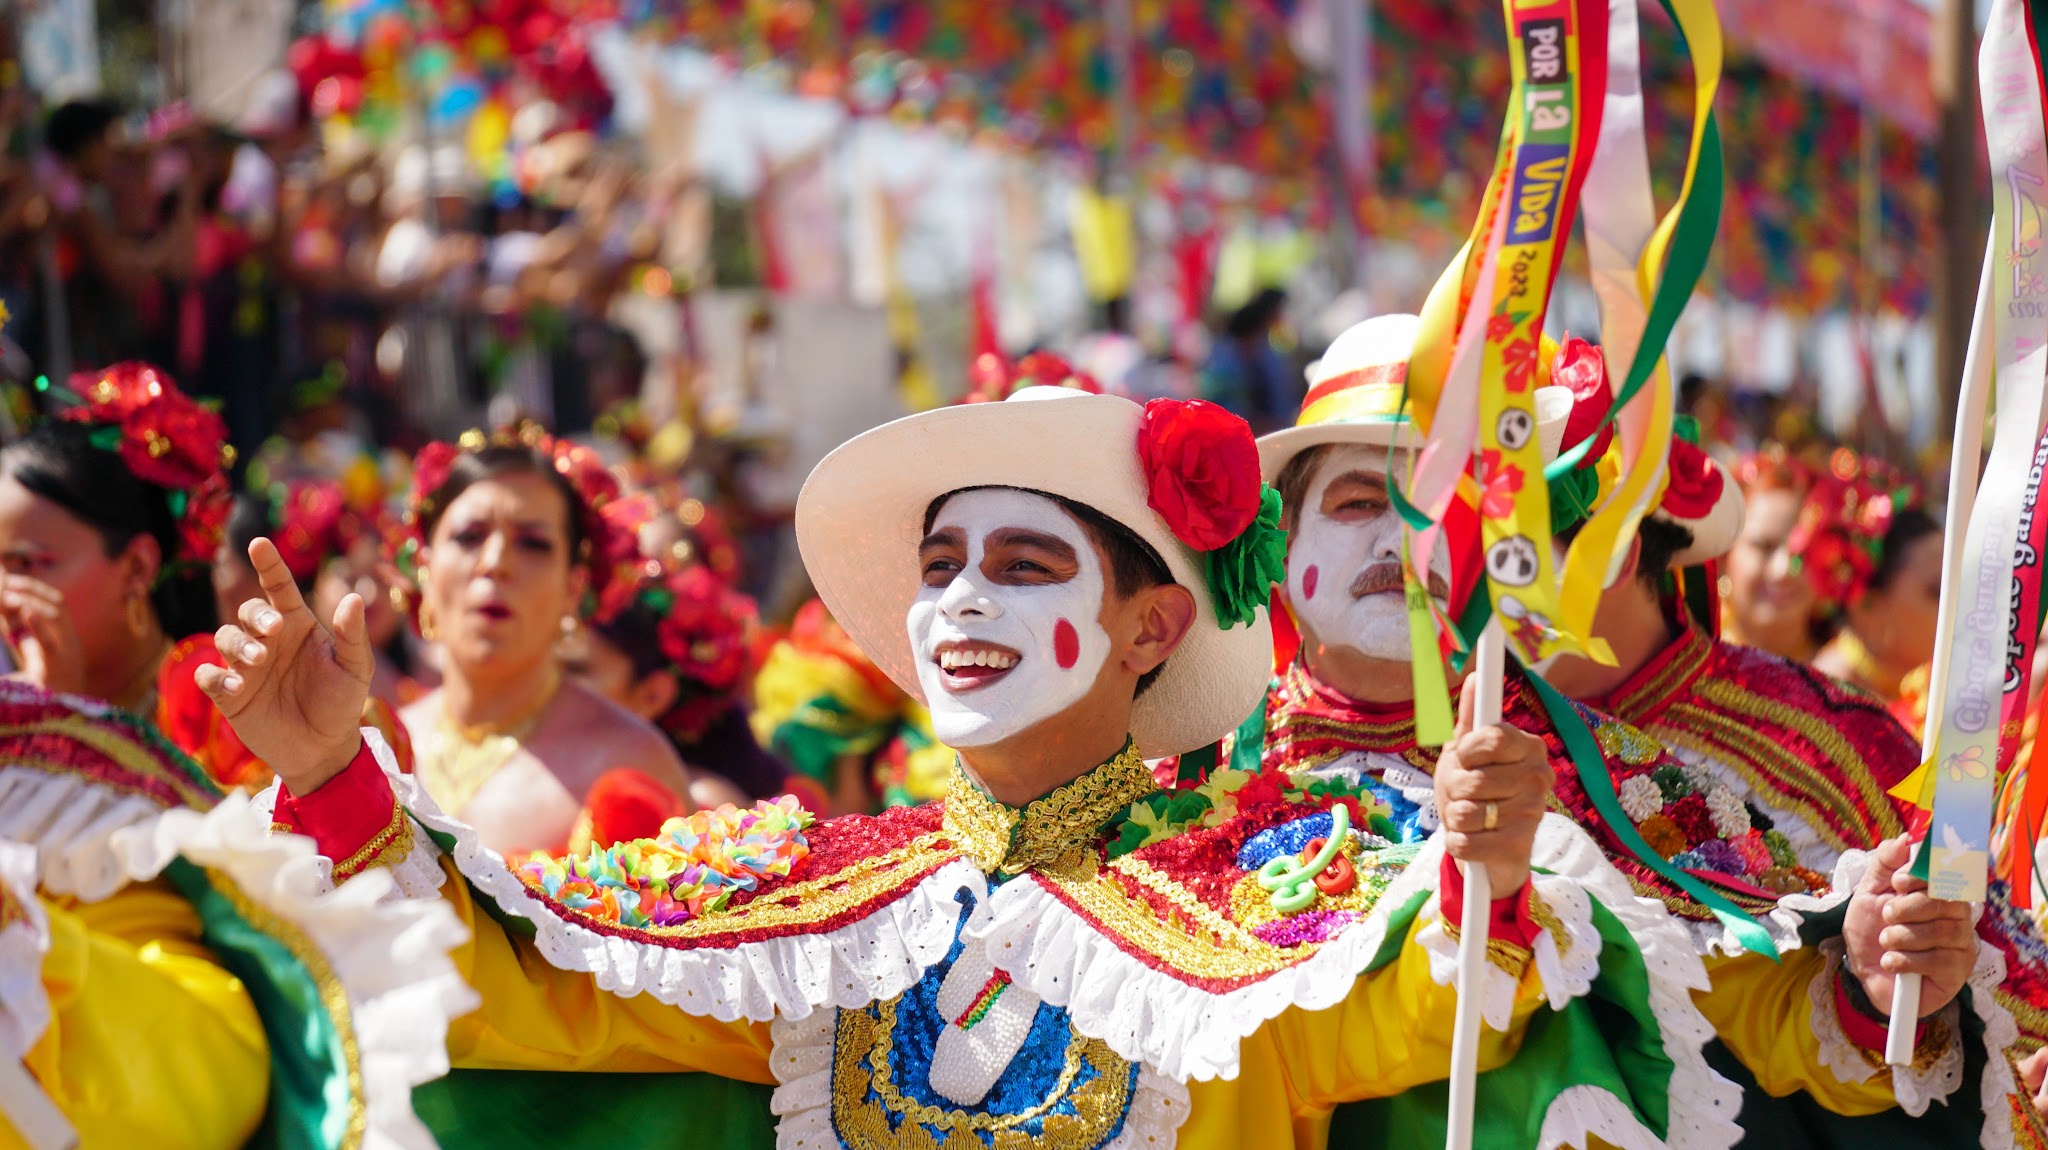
1242	573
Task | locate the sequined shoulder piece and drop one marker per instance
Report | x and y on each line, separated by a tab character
1805	745
1188	925
735	913
731	876
61	735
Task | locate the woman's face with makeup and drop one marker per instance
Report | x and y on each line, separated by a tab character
1006	629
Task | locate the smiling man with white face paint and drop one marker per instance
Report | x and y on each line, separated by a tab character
1059	952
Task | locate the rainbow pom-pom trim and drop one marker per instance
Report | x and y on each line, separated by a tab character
690	870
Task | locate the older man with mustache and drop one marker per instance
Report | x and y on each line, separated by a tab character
1343	708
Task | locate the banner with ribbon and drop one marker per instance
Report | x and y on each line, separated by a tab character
1965	754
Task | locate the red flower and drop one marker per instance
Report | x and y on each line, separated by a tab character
1266	788
1518	359
309	525
1499	327
172	442
205	521
1695	484
704	630
1201	470
1581	367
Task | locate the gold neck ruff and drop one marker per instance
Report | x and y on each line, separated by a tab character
1003	839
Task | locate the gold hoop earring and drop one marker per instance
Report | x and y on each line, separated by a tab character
428	630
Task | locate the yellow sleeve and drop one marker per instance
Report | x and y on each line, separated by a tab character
1762	1014
1391	1034
150	1043
536	1016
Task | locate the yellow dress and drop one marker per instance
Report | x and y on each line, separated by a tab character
174	975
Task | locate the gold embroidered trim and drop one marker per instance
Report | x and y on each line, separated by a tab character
2033	1021
1504	955
1932	1043
1541	914
1003	838
333	997
802	904
385	847
1099	1104
278	828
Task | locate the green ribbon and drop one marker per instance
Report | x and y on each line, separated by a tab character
1591	764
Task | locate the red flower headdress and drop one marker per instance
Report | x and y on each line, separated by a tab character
315	522
165	438
992	379
1847	509
705	631
610	549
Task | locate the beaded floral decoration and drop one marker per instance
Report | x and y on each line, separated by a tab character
1227	792
692	869
165	438
1698	823
610	550
1848	507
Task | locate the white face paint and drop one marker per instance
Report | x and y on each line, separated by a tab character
1000	645
1347	540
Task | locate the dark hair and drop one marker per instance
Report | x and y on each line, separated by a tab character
1292	483
1908	527
1661	540
1258	313
472	467
59	462
76	124
1133	564
252	517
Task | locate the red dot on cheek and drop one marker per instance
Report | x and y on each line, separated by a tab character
1066	645
1309	579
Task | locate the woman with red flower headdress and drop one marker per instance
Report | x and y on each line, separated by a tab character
110	515
511	543
1838	566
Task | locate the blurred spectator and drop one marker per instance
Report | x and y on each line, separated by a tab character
1245	373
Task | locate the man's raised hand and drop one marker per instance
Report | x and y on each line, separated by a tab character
292	689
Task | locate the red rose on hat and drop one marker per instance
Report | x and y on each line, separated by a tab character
1695	484
1581	367
1201	470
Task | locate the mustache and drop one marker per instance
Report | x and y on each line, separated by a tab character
1383	577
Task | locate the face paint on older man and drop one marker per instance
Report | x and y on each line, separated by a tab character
1344	558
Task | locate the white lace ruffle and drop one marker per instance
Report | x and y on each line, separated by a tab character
875	958
802	1058
70	820
390	957
1565	975
1916	1090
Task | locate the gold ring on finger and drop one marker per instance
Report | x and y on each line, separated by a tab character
1492	815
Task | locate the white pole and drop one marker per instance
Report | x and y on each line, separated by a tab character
1488	664
24	1105
1963	465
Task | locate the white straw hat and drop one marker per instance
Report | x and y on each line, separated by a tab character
860	518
